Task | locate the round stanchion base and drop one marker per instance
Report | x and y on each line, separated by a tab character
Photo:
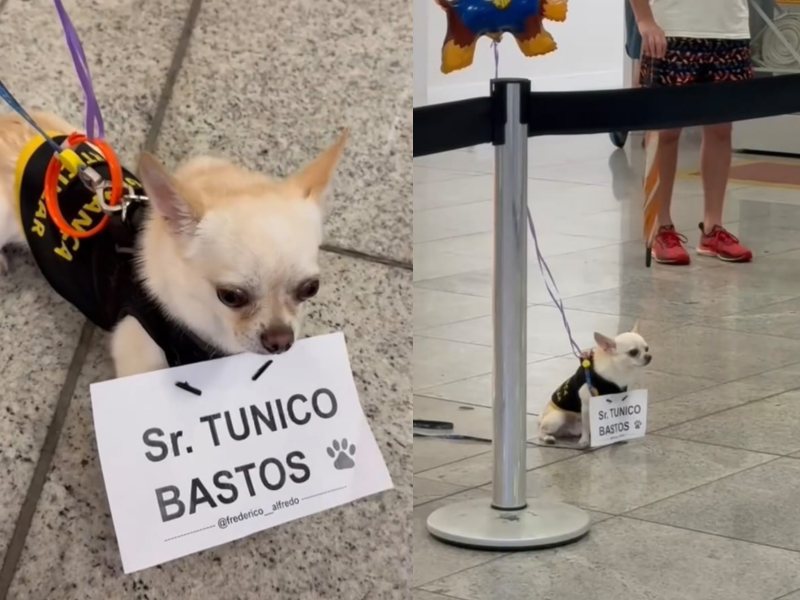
475	524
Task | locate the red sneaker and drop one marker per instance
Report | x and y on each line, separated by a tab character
668	247
723	245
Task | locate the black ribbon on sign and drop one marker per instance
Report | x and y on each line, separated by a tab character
454	125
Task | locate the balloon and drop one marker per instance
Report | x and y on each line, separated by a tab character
467	20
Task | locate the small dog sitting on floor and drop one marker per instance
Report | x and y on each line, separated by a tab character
219	263
615	367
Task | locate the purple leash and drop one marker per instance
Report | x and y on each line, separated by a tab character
552	288
94	119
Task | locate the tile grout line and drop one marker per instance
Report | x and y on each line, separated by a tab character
703	532
40	473
480	486
492	559
660	431
421	586
366	256
622	516
171	78
628	515
715	383
28	509
718	445
656	433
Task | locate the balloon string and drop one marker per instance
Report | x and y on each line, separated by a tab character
496	60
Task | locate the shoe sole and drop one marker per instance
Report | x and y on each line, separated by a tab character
713	254
662	261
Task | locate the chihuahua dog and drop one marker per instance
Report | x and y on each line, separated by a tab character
615	367
220	263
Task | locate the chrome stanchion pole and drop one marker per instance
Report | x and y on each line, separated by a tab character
509	297
510	520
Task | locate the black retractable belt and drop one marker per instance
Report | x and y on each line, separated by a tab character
465	123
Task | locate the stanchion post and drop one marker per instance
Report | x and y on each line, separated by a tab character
509	295
510	520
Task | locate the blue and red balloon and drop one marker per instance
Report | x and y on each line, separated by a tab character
468	20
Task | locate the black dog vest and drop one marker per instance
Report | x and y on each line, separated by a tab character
97	274
566	397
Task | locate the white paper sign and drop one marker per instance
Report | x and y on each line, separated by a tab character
618	417
257	448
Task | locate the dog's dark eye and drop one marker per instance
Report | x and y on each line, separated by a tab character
233	297
634	353
307	290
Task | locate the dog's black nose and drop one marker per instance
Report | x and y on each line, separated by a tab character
647	359
277	338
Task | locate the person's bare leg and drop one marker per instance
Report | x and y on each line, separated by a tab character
715	167
668	142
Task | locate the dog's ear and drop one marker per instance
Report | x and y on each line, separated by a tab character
315	178
606	343
165	195
635	327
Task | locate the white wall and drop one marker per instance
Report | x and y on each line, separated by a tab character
589	55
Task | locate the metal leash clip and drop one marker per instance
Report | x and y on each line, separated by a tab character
97	184
128	198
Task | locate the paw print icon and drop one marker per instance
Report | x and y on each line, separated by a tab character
637	424
342	453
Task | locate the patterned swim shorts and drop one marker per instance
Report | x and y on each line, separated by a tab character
692	60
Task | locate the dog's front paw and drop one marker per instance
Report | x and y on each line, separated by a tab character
584	443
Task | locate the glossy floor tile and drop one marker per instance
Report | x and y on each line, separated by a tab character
428	490
770	425
545	376
781	319
432	308
302	75
623	558
621	478
744	506
348	552
722	386
546	333
440	361
477	470
464	189
720	354
717	398
466	420
432	559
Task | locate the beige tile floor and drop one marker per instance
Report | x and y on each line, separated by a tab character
268	84
702	509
